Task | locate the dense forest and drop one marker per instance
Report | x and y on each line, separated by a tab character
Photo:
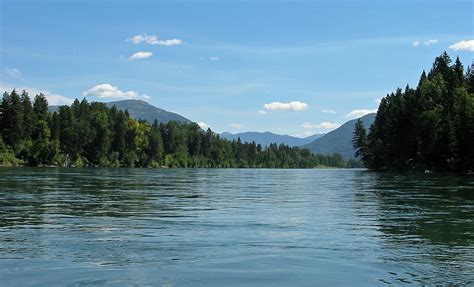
429	127
91	134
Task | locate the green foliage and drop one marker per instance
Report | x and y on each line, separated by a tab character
91	134
359	140
430	127
7	156
12	119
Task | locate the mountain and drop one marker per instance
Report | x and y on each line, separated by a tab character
266	138
340	139
143	110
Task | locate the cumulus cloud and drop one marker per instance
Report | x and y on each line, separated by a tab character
328	111
321	126
107	91
292	106
137	39
170	42
317	128
359	113
464	45
141	55
426	43
203	125
153	40
236	126
14	73
53	99
430	42
214	58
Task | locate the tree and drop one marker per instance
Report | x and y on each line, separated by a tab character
90	134
40	107
155	145
13	128
427	127
28	116
359	141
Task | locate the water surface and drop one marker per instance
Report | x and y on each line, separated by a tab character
225	227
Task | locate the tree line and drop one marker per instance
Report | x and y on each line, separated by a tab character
91	134
427	127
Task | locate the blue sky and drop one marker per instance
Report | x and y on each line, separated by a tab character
290	67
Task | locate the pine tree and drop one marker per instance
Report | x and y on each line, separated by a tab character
40	107
359	141
28	116
431	126
155	148
13	128
470	79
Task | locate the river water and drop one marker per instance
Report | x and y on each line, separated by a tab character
234	227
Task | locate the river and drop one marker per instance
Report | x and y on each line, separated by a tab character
234	227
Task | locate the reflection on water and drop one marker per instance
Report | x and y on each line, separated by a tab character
234	227
427	224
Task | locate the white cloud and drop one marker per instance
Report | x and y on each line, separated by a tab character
464	45
214	58
153	40
317	128
262	112
430	42
141	55
292	106
107	91
203	125
53	99
426	43
322	126
171	42
137	39
57	100
236	126
359	113
14	73
328	111
304	134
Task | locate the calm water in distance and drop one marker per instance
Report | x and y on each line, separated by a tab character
234	227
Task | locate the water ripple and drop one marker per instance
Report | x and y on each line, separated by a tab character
234	227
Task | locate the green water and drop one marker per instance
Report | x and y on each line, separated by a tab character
234	227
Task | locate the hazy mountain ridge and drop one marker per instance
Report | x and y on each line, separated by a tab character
266	138
340	139
144	111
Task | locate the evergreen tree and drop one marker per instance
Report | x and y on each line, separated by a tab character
13	128
28	116
427	127
359	141
155	148
90	134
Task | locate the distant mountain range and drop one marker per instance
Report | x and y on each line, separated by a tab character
340	139
143	110
266	138
336	141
